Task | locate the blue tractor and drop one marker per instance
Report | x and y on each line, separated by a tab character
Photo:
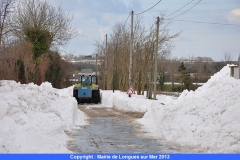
87	90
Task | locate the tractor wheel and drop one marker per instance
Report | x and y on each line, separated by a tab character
100	98
75	94
96	96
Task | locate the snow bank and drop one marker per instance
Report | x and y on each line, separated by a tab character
137	103
207	118
33	118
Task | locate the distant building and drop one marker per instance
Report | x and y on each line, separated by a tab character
203	59
235	70
88	57
196	59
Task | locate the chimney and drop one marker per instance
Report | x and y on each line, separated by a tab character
239	66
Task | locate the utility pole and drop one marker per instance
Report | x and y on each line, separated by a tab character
131	52
96	64
106	65
150	83
113	74
155	58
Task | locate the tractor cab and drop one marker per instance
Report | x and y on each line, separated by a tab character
87	79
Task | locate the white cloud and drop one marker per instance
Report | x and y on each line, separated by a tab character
111	18
80	15
234	16
79	31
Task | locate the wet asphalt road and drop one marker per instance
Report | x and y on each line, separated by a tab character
110	131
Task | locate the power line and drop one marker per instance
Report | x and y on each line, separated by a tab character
126	20
187	10
149	8
212	23
180	8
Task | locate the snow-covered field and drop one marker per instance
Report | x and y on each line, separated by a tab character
34	118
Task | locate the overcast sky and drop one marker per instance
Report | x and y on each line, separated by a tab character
95	18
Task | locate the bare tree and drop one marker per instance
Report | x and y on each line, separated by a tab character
227	57
16	62
42	26
6	7
41	16
118	55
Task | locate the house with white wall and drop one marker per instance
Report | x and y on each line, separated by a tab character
235	70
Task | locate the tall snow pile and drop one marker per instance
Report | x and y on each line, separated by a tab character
33	118
208	119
